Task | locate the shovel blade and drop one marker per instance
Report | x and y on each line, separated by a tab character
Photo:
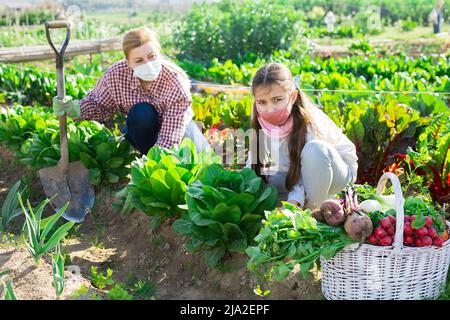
74	187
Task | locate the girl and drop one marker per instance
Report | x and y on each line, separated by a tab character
311	159
152	91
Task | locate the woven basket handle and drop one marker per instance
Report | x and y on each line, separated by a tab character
399	202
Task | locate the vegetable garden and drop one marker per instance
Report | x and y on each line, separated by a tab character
178	223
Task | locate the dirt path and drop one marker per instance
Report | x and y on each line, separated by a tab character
127	245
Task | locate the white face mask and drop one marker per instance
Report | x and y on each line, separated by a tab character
148	71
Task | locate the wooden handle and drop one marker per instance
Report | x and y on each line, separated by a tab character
57	24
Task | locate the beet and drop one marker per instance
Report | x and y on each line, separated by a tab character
317	214
333	212
358	226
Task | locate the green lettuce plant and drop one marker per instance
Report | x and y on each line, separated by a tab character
225	209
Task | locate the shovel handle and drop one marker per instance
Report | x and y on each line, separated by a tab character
58	24
64	160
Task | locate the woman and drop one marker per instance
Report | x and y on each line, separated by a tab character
152	91
311	159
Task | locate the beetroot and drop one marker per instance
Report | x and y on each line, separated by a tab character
408	240
386	241
421	232
380	233
426	241
385	223
438	242
333	212
358	226
407	229
317	214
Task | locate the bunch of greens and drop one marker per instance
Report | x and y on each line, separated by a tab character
431	156
291	236
159	179
225	209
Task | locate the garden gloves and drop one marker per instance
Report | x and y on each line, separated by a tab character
66	105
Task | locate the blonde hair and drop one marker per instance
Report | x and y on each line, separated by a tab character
139	36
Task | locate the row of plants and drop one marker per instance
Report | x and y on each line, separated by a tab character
33	132
358	75
369	69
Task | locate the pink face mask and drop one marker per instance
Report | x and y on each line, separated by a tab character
277	123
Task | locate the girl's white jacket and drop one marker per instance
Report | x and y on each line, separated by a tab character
277	150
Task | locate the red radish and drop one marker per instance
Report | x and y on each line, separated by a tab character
390	231
432	233
421	232
412	218
418	242
372	239
428	222
392	219
438	242
426	241
408	240
408	230
386	241
385	223
406	219
380	233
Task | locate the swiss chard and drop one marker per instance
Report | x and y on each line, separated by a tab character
432	156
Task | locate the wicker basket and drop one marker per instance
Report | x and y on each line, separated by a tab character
387	273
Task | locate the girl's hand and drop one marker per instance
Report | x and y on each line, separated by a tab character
295	203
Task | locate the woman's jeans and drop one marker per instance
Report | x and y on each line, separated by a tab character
142	128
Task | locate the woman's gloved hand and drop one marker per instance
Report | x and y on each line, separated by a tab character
67	105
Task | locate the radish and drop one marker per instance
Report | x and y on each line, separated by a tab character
426	241
385	223
333	212
380	233
408	240
432	233
390	231
428	222
392	219
438	242
421	232
372	239
386	241
406	219
412	218
417	242
408	230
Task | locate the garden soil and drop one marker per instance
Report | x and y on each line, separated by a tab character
132	250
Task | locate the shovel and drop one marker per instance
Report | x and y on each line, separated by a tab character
66	181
